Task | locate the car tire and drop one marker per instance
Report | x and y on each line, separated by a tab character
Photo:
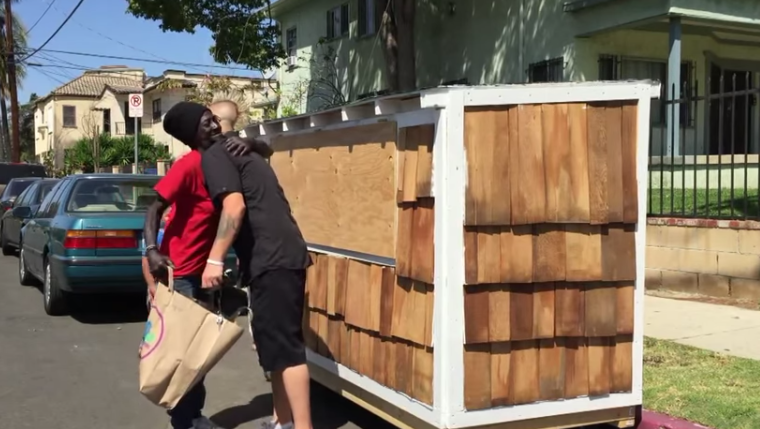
24	276
54	299
7	248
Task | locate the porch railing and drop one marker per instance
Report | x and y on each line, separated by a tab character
709	167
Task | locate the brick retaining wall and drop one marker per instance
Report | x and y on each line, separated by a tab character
709	257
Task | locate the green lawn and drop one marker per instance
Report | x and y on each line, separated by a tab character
705	387
703	203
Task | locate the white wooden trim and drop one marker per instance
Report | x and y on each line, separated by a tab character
449	159
393	397
543	409
642	168
581	92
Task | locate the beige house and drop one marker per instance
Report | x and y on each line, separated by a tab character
97	102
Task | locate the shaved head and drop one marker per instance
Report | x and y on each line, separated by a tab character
227	112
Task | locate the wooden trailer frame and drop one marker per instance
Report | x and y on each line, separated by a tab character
444	108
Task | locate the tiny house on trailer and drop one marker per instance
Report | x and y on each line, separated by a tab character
478	251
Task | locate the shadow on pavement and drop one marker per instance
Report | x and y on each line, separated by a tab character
330	411
108	309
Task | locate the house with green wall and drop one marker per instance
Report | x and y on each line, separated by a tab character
696	48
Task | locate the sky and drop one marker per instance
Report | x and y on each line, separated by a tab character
104	27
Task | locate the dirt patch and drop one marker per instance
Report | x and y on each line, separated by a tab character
733	302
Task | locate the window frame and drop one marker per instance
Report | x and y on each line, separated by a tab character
44	208
72	116
550	74
369	16
157	113
613	66
23	195
343	13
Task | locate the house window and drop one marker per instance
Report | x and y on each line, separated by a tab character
547	71
290	46
69	117
369	17
129	123
613	67
337	21
157	109
107	121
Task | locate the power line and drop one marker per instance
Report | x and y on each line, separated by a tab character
56	30
40	18
49	76
146	60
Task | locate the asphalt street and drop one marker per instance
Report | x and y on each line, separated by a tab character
80	371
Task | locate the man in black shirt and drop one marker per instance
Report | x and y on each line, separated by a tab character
257	222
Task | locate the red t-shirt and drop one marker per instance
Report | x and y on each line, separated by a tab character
190	234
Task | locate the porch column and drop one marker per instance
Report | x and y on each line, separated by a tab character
673	91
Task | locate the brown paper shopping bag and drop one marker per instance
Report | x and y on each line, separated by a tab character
182	341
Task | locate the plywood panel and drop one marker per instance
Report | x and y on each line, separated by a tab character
476	316
600	307
551	369
341	187
614	115
526	167
622	364
630	188
516	254
576	367
523	370
423	246
489	255
599	366
597	163
619	252
569	311
486	137
549	253
500	373
579	164
404	239
477	376
498	313
625	307
583	244
543	310
557	160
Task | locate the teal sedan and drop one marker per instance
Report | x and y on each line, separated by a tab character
86	237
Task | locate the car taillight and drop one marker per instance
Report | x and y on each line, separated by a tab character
111	239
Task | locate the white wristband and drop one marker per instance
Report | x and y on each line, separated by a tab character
213	262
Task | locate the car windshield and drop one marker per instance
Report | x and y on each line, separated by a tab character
16	187
112	195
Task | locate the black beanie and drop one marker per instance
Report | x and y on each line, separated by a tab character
182	121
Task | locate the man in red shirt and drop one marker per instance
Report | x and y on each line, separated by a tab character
189	236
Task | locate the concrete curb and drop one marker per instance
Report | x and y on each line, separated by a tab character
652	420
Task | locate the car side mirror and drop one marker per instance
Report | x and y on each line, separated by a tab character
22	212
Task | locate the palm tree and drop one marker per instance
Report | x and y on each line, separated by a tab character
20	47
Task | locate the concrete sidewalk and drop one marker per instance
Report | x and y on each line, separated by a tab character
719	328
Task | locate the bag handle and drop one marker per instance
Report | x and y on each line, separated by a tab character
170	279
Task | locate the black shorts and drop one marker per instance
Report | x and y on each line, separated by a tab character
277	299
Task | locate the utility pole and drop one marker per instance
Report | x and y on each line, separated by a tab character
11	64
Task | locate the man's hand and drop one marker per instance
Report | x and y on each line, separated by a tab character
213	276
237	146
159	264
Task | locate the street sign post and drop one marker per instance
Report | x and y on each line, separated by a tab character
136	112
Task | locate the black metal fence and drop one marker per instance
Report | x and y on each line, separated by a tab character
707	167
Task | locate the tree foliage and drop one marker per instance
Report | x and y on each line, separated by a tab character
113	151
26	132
242	31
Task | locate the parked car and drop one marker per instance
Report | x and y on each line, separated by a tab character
12	170
11	223
86	237
13	189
